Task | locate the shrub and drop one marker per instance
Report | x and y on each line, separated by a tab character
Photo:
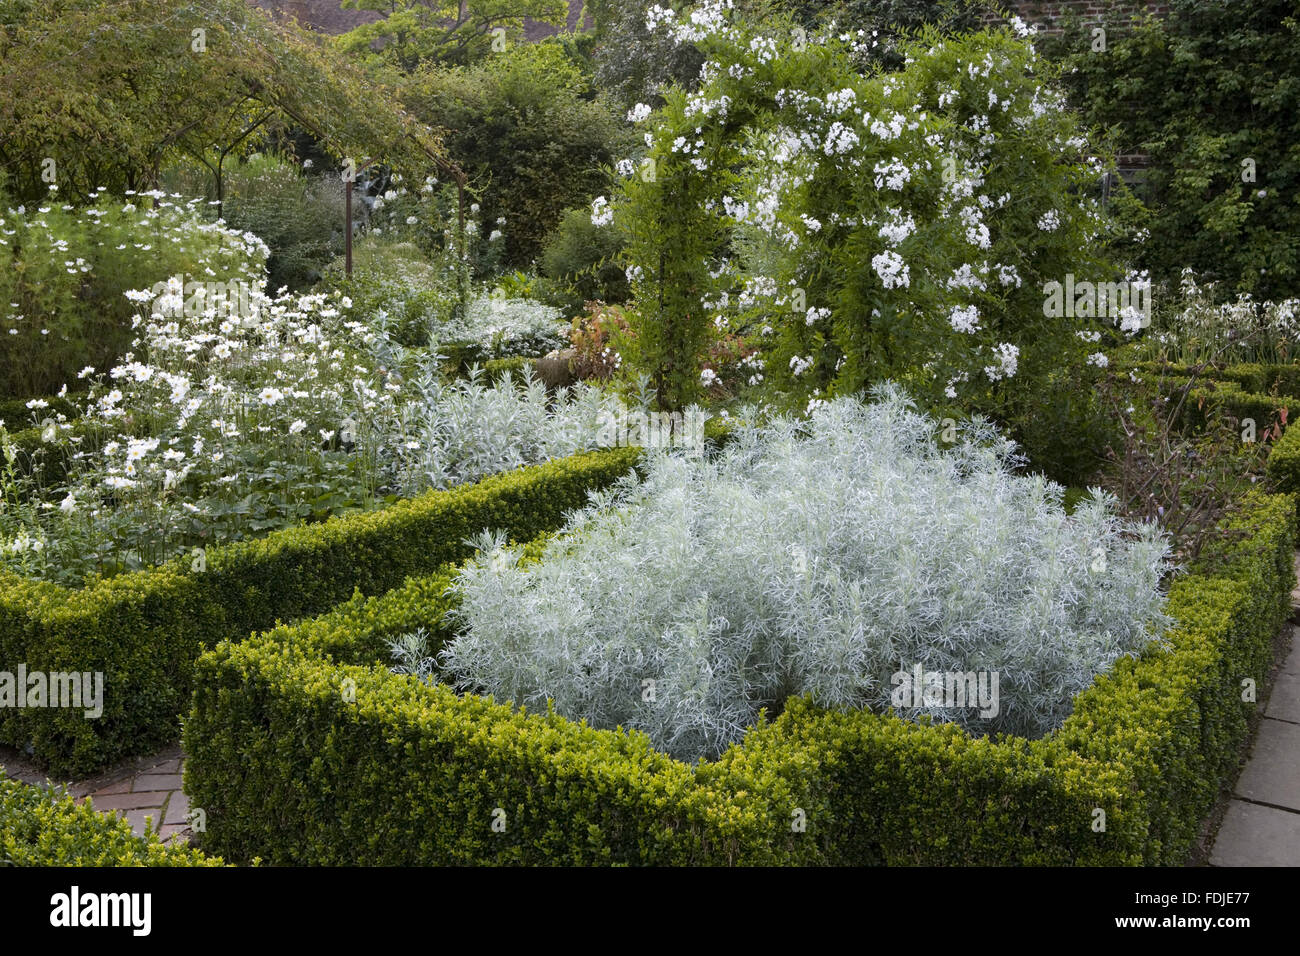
819	566
299	217
494	326
1186	456
1210	91
525	128
595	338
411	774
467	429
861	227
39	827
144	630
1283	467
581	262
65	271
396	286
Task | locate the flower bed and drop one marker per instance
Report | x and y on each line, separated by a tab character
143	630
301	751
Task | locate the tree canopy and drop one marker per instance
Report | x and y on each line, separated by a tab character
96	93
412	33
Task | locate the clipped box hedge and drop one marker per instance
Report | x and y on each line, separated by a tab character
303	751
1283	468
144	630
16	416
1253	377
40	827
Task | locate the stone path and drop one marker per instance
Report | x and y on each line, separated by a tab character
143	788
152	793
1262	825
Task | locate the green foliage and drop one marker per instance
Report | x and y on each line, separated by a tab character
636	64
144	630
524	126
18	414
412	33
397	287
39	827
1203	89
113	92
1283	469
64	272
1177	721
861	228
581	262
408	773
300	218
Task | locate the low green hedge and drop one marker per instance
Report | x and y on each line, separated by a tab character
40	827
1283	468
1210	397
516	365
303	751
1250	376
144	630
16	416
1246	390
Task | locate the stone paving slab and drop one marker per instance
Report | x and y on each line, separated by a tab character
151	793
156	781
1273	774
1252	835
1284	700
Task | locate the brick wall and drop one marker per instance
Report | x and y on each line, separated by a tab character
1044	14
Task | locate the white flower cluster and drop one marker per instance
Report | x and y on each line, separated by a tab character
892	270
965	320
601	213
1008	357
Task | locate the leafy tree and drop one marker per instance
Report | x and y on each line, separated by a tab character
412	33
1212	93
104	94
527	128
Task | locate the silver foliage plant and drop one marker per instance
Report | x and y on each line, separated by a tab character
466	429
815	558
506	326
411	655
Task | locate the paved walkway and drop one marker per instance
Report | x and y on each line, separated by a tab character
142	788
1262	825
151	793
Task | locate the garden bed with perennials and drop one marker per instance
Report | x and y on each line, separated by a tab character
304	748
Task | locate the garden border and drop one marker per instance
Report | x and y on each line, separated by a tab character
144	630
291	768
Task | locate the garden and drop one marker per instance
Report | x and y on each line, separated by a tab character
719	433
